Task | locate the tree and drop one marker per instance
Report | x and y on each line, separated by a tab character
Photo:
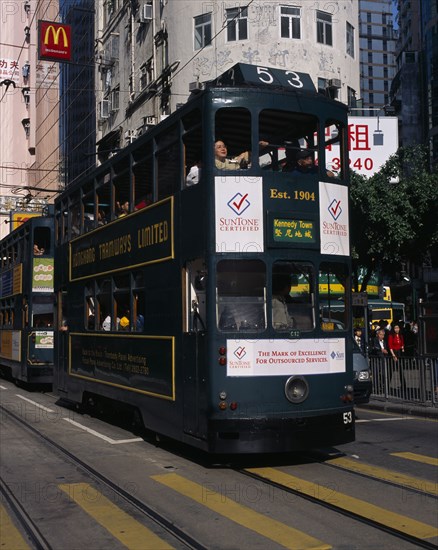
394	213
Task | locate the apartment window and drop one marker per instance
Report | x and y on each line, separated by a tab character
146	74
202	31
115	99
237	24
351	96
290	22
350	40
324	30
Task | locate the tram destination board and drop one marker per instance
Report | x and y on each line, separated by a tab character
295	230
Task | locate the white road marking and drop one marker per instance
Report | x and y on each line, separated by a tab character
386	419
3	388
34	403
101	436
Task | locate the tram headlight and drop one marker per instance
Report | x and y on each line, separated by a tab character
296	389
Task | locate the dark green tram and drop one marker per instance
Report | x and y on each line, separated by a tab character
27	302
189	276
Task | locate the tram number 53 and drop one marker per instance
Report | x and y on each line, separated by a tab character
292	78
348	417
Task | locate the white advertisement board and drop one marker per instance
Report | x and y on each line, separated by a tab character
371	141
333	213
285	357
239	214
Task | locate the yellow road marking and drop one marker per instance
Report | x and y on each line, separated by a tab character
345	502
270	528
121	525
382	473
10	535
418	458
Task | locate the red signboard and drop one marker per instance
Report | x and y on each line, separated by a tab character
54	41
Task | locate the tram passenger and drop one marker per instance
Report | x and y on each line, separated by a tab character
122	208
221	161
306	165
281	319
101	217
194	174
37	250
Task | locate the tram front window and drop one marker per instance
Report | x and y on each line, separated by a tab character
333	289
241	295
292	296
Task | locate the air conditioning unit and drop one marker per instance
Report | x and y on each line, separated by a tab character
104	108
193	86
130	135
334	83
146	13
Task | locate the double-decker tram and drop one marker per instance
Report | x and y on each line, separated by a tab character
188	268
27	301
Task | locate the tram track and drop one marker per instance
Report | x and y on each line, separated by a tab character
34	535
32	530
375	524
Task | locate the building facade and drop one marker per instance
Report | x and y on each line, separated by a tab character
29	114
151	54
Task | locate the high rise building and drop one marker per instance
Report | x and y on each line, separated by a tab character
377	52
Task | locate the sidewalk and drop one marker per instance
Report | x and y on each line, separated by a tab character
401	407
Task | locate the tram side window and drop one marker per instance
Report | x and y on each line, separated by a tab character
122	296
42	311
75	218
168	163
233	147
90	308
122	191
293	296
333	288
192	141
41	241
143	177
241	295
103	199
334	148
104	310
282	134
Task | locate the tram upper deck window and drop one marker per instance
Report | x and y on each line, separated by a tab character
168	162
335	153
193	146
241	295
122	191
282	134
103	200
42	241
232	149
333	290
292	296
143	177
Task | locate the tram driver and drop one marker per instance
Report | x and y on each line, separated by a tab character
281	318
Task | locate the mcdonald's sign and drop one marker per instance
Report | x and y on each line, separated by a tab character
54	41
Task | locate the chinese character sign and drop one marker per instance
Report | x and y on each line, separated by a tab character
9	70
371	141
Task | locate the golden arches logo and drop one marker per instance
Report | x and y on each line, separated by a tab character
55	34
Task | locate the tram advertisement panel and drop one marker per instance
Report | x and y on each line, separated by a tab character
334	224
285	357
239	214
143	364
10	344
42	275
143	237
